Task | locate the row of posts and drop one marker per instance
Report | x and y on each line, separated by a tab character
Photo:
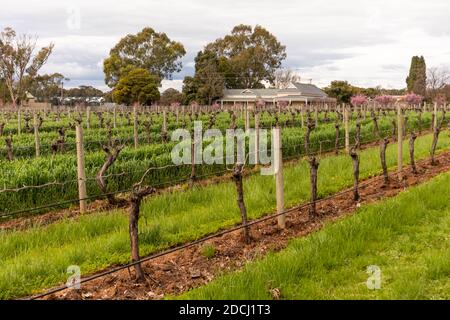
278	165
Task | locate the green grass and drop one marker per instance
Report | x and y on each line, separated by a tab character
407	237
62	167
38	258
208	251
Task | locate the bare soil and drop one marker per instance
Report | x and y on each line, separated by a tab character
180	271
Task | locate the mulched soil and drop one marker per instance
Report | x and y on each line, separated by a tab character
177	272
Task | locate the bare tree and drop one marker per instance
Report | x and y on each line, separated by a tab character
437	79
284	77
18	62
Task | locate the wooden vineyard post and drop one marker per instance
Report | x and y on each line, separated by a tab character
247	119
135	127
399	142
278	157
302	115
88	117
347	131
36	135
316	111
256	138
82	194
193	148
164	127
114	117
19	120
412	139
164	121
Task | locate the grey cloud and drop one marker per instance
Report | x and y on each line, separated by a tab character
309	59
394	68
333	68
316	32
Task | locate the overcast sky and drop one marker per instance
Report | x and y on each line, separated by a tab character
368	43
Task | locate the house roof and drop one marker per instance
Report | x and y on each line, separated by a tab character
29	95
309	89
297	91
251	92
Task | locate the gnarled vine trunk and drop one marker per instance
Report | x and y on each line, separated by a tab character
237	178
9	148
436	133
336	140
383	145
136	197
355	162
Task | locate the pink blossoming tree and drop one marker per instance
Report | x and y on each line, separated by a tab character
384	100
441	100
283	103
358	100
413	99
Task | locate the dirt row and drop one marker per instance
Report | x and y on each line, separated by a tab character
178	272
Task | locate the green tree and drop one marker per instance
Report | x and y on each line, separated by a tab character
190	89
108	96
46	86
170	96
209	81
138	86
341	90
371	92
394	92
417	78
248	56
84	92
148	50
